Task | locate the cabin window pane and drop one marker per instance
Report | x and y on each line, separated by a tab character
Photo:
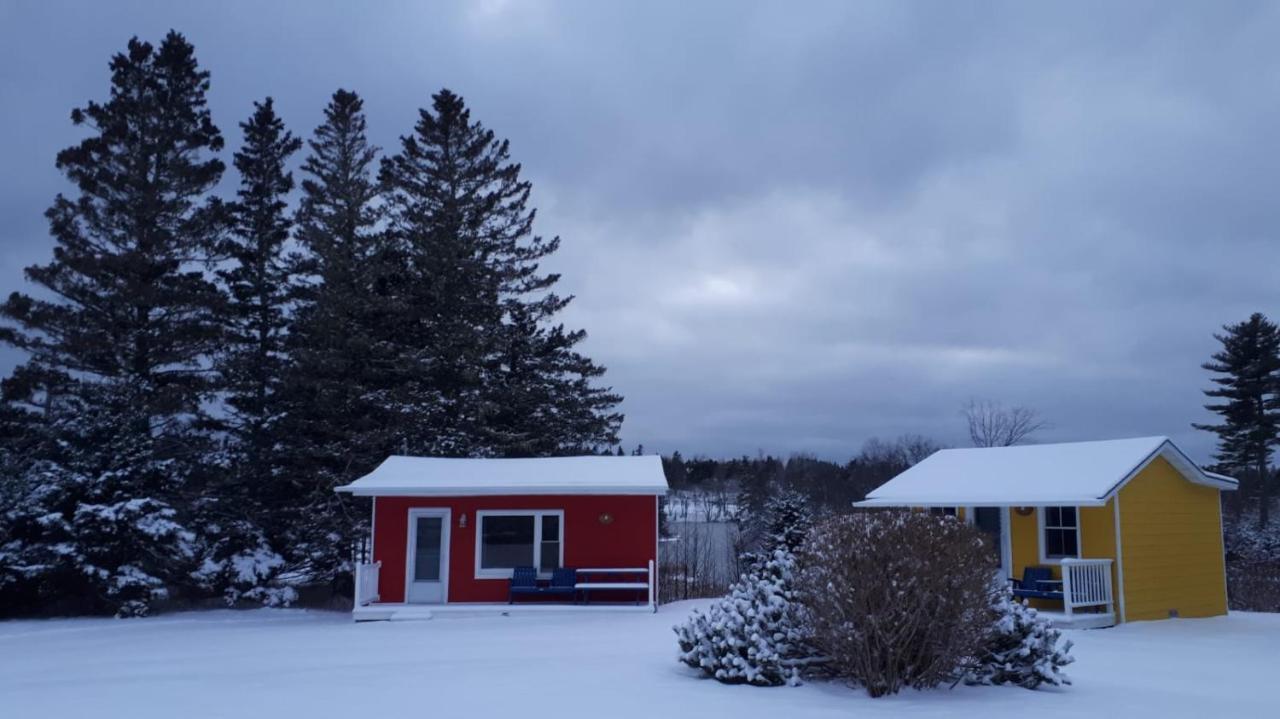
1061	532
550	554
506	541
519	539
426	557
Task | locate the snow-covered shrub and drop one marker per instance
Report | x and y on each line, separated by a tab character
896	599
1021	648
142	530
240	564
756	634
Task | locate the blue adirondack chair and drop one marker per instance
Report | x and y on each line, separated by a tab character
524	580
1030	587
563	581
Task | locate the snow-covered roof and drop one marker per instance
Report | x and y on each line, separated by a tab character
1074	473
440	476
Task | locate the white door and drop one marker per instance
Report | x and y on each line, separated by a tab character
428	570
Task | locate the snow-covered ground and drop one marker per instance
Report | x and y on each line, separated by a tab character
291	663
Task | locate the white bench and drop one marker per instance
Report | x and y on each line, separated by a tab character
609	584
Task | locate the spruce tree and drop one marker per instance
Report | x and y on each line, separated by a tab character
1021	648
129	323
25	445
757	633
497	377
257	283
1249	390
338	421
250	363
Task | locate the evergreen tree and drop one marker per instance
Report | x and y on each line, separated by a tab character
1022	648
23	445
251	359
131	323
756	486
492	376
257	282
754	635
784	524
789	522
1249	387
340	345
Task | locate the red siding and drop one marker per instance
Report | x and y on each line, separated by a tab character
630	540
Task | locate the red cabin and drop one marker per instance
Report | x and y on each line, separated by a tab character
453	531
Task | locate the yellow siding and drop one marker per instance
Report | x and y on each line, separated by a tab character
1171	537
1098	532
1023	541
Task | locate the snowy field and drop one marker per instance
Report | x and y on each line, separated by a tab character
292	663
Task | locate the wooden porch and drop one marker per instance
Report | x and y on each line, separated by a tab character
411	612
1085	592
369	607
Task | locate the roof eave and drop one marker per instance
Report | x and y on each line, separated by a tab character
886	502
1189	470
496	491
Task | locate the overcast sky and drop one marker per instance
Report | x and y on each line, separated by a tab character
794	226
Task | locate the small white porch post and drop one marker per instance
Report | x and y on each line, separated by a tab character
1066	588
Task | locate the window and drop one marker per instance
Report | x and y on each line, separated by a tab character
943	511
1060	533
509	539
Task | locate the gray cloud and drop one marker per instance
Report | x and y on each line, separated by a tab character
793	227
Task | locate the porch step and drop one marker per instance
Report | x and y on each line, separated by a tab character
1078	620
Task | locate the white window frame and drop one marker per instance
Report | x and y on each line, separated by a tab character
1040	543
537	514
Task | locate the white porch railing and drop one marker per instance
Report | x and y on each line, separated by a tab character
367	582
1086	583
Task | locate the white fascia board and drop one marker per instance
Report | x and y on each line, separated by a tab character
367	491
1183	464
977	502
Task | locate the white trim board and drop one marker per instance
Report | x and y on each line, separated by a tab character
1120	558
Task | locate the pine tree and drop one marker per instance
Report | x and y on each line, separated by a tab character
497	379
789	522
1022	648
754	635
755	489
1249	385
24	445
784	524
131	323
251	360
340	344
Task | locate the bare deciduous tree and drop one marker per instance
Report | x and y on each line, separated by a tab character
991	424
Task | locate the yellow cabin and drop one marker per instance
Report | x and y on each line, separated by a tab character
1093	533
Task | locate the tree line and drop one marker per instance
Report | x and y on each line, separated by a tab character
202	371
